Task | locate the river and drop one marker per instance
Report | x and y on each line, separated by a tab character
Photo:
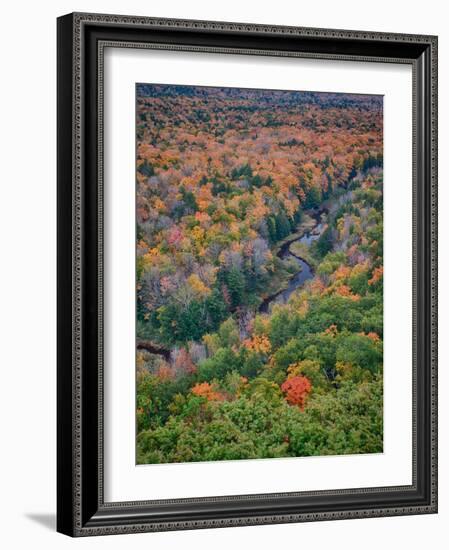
304	273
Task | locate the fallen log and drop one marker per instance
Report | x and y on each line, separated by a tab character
153	348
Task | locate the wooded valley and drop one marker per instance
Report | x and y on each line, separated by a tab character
259	273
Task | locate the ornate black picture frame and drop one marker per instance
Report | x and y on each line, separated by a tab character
81	510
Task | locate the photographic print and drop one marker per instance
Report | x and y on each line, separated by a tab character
259	273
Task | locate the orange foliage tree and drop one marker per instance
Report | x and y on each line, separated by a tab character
207	391
296	390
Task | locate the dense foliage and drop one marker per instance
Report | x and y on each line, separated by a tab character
225	179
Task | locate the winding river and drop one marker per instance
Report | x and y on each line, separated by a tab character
305	270
304	273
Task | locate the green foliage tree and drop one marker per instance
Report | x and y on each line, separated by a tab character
324	244
235	282
283	226
219	365
216	309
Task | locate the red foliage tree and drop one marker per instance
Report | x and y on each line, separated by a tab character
296	390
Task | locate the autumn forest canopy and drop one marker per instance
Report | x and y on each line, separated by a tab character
259	273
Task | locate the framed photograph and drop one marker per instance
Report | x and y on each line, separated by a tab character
247	281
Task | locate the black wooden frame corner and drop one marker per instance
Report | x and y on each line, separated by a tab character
81	509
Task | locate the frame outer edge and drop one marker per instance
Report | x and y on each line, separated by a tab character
230	26
74	527
65	270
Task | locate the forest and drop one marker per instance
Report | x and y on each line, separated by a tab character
259	273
